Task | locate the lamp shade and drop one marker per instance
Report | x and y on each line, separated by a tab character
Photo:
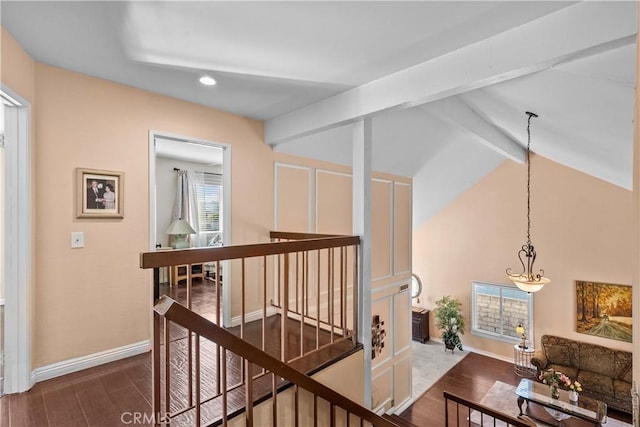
180	226
520	329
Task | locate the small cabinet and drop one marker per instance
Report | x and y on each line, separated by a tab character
420	324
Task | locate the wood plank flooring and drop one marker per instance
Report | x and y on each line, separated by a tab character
124	387
470	379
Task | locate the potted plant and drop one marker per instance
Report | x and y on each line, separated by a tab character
450	321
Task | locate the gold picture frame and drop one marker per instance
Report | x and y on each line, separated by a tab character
99	193
604	310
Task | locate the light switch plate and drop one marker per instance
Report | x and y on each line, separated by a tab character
77	239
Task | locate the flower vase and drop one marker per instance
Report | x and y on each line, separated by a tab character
573	396
555	391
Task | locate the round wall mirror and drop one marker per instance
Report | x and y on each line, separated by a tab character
416	286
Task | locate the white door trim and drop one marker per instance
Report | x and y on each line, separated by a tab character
17	344
226	206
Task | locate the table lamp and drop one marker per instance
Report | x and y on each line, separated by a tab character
180	229
520	331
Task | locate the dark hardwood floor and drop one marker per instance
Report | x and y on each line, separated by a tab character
471	379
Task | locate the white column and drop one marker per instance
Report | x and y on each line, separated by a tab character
636	229
362	154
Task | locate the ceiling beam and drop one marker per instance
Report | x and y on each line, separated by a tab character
582	29
459	114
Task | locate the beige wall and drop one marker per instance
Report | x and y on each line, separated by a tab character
581	229
96	298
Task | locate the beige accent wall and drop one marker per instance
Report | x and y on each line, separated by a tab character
391	253
580	228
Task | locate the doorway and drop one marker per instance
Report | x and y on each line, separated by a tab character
15	233
202	170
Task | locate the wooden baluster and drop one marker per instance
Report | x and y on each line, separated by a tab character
318	303
355	295
315	410
264	303
189	342
331	290
302	309
155	379
218	287
285	311
248	393
167	366
197	345
224	385
296	405
243	300
332	414
274	399
342	292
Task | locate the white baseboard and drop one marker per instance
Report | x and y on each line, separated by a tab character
400	409
79	363
482	352
254	315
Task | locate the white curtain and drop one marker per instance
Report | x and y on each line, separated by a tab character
184	206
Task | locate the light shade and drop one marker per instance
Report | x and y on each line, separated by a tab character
180	226
523	282
520	329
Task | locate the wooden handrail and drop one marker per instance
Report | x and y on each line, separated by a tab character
511	421
202	255
175	312
292	235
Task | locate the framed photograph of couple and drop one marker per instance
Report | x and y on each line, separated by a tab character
99	194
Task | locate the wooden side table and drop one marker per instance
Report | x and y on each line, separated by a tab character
420	324
179	272
522	361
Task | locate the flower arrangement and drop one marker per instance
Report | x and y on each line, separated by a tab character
552	377
575	386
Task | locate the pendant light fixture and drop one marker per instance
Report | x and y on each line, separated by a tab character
527	280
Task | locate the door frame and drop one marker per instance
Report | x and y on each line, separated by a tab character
18	375
226	205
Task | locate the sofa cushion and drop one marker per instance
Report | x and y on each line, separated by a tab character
596	382
624	366
569	371
598	359
621	389
558	354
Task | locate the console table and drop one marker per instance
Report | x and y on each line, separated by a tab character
420	324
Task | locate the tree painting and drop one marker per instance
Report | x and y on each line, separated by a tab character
604	310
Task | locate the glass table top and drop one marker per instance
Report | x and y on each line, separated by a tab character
586	408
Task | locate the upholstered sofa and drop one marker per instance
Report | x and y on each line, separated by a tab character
605	374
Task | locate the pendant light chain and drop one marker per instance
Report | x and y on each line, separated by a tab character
529	178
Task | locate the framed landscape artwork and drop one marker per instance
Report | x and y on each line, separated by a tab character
99	194
604	310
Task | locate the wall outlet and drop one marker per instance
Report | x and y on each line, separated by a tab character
77	239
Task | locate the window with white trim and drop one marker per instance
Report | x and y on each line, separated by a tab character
208	190
497	310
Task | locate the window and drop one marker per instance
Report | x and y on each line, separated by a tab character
498	309
208	189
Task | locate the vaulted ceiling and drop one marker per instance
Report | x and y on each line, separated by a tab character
446	83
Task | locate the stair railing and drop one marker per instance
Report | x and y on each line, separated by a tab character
310	280
460	411
311	403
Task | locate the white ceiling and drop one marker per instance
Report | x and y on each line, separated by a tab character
446	83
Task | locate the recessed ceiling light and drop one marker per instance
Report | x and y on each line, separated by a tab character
207	80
